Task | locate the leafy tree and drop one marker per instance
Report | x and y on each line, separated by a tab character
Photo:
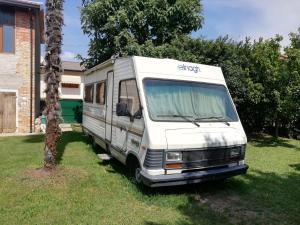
54	22
274	78
119	26
278	76
291	72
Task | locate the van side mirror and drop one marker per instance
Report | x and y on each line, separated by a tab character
122	109
138	114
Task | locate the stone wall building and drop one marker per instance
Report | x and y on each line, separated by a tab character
21	29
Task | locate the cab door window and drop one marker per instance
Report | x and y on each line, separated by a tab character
128	94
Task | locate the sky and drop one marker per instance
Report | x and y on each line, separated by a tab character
237	18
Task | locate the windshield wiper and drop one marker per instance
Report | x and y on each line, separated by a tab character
218	118
181	116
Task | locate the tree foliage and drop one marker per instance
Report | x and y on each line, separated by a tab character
54	23
116	26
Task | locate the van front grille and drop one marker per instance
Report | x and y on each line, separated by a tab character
209	157
197	158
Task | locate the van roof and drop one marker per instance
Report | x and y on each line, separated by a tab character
168	67
100	66
178	68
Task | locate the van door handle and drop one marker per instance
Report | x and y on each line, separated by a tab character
122	128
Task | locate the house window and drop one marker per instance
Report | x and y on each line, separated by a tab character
100	93
7	29
69	85
89	93
128	94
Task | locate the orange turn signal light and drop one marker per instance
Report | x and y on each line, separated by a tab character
174	166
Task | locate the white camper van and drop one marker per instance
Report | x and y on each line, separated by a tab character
170	122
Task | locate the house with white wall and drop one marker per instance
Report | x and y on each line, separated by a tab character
71	91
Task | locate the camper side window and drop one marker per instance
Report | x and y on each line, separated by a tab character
128	94
89	93
100	93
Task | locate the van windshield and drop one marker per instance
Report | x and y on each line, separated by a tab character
170	100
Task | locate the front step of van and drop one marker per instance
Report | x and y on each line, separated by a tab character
104	157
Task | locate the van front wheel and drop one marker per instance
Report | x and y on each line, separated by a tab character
135	169
138	176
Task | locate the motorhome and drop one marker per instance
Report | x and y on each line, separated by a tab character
170	122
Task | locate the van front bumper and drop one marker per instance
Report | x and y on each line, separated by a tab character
192	177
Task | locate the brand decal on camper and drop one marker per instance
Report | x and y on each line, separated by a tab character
195	69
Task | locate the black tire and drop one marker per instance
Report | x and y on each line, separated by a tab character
137	175
135	170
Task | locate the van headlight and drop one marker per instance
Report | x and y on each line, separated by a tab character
238	152
235	152
173	156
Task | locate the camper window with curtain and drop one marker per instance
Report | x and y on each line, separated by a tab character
170	100
100	93
89	93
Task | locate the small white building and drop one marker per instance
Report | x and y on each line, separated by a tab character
71	91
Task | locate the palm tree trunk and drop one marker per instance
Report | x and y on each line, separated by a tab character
54	23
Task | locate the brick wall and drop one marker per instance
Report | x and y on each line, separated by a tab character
17	70
23	50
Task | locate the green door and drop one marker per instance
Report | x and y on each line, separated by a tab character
71	110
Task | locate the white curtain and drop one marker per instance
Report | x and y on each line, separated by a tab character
187	99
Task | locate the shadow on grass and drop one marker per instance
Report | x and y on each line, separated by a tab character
295	166
258	198
34	139
66	138
269	141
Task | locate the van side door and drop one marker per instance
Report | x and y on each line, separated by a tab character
129	127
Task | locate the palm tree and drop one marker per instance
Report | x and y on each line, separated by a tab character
54	23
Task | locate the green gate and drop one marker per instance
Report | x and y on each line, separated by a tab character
71	110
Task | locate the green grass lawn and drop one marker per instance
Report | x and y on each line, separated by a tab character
85	190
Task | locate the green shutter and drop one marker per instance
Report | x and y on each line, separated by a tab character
71	110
